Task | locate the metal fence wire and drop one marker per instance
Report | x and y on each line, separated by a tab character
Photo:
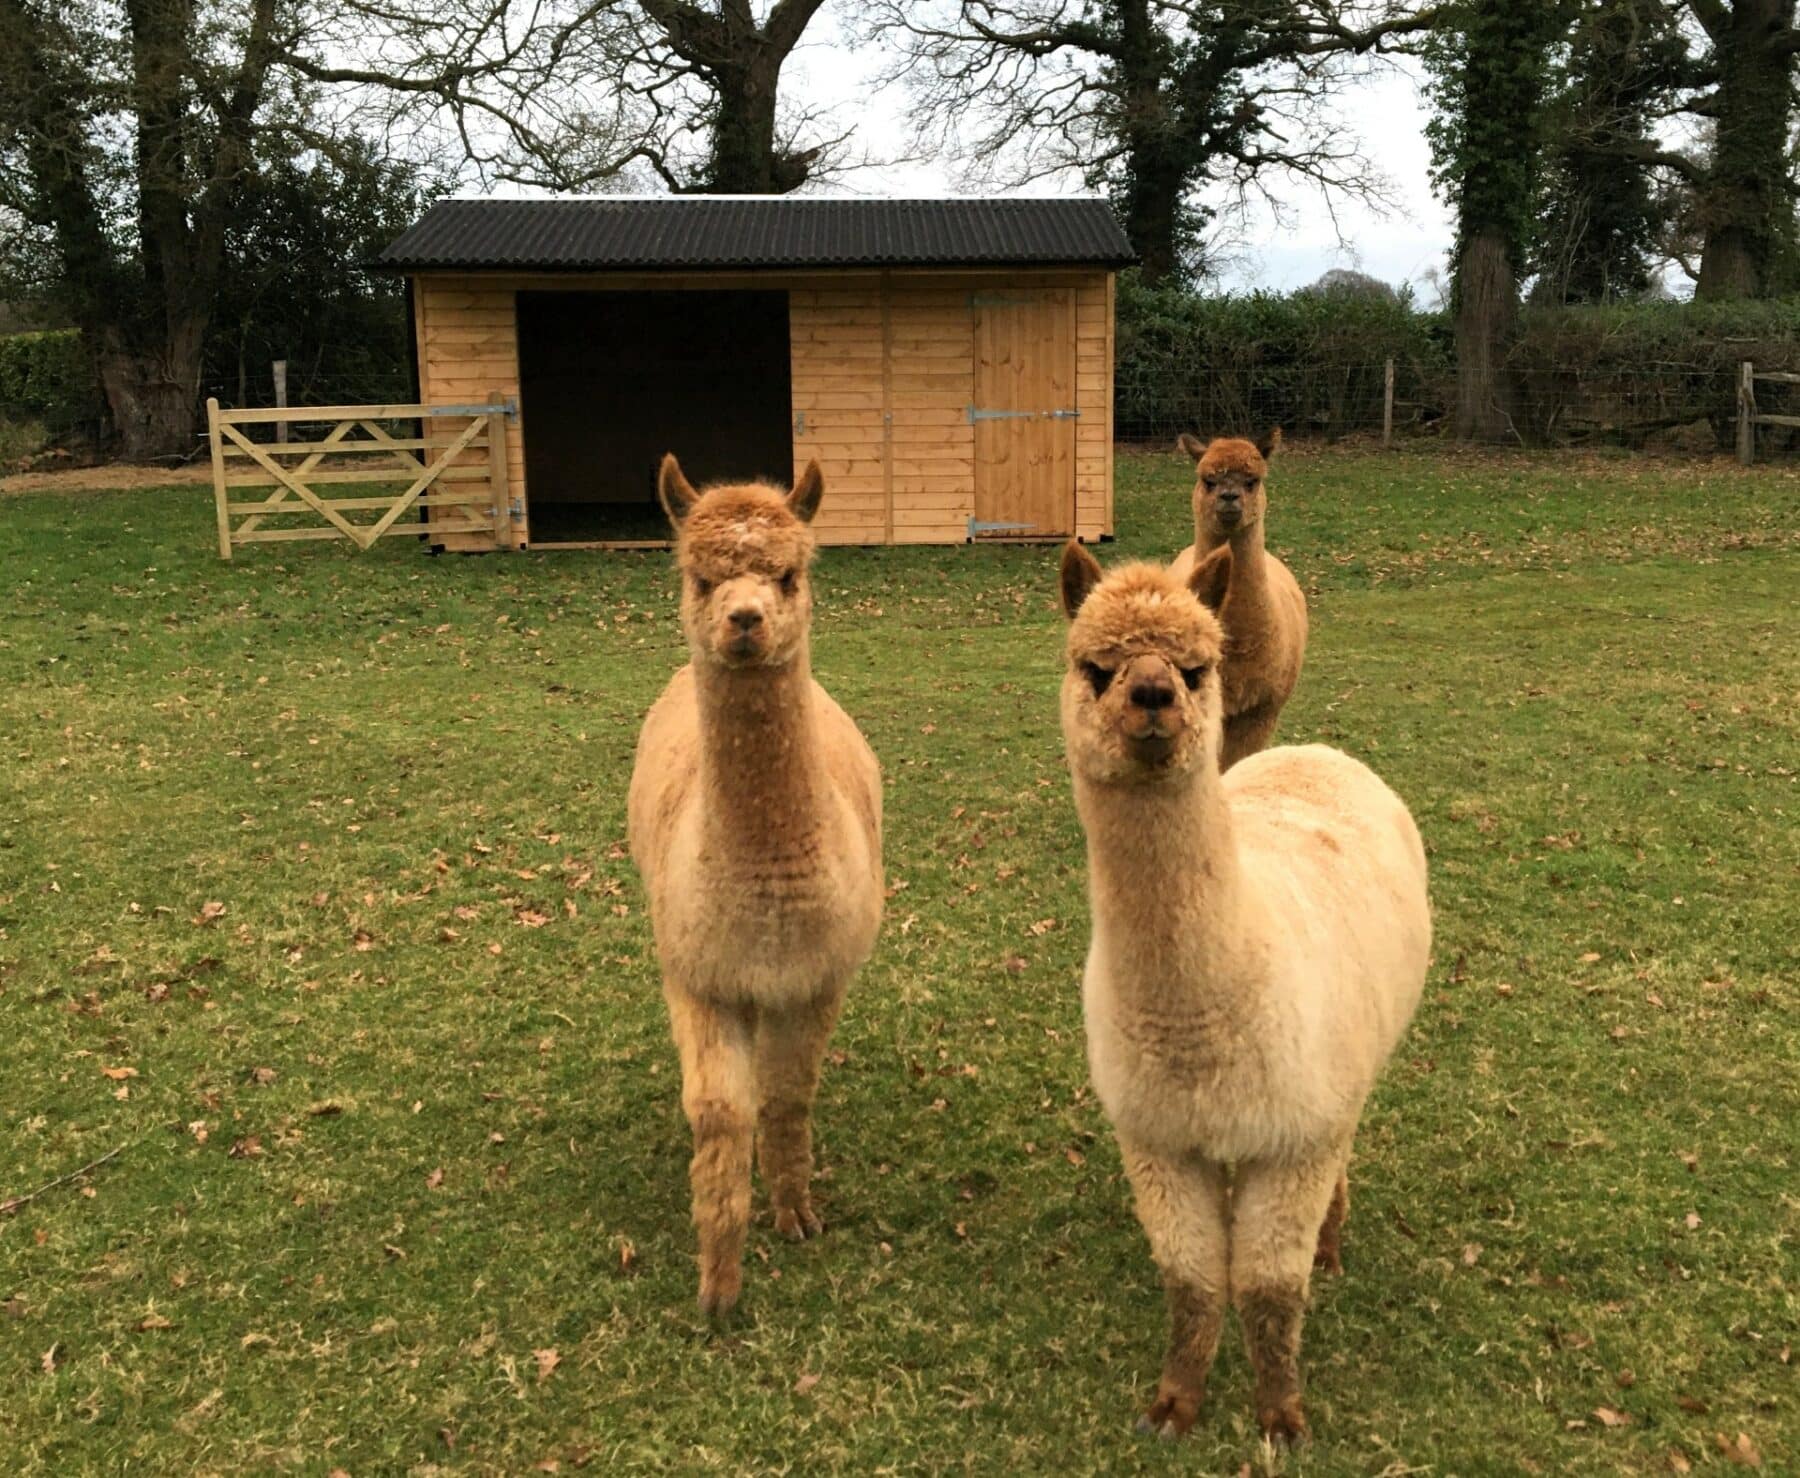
1668	408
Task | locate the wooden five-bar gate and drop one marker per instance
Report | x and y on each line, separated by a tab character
453	463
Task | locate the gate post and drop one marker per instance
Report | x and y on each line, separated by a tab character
497	471
221	495
1746	409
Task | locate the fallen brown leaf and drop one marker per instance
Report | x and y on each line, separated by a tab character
547	1361
1742	1452
1611	1418
119	1074
805	1383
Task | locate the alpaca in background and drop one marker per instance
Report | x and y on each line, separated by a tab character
1252	592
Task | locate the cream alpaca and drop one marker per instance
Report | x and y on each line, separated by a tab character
755	820
1253	592
1260	939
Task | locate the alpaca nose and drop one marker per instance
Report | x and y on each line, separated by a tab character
746	618
1152	695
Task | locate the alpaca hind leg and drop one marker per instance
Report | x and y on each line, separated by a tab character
1277	1211
718	1094
790	1048
1329	1256
1182	1204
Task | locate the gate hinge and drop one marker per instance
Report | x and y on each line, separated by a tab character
980	526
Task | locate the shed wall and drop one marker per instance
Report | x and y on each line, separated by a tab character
883	378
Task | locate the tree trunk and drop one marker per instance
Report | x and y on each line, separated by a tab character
153	394
1486	305
744	160
1746	210
1152	211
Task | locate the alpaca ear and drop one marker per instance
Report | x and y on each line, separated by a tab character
677	494
1211	580
1191	444
803	502
1081	572
1269	442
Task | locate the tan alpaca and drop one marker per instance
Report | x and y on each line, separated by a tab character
1260	938
755	820
1262	607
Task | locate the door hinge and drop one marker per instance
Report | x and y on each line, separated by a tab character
976	414
799	423
509	408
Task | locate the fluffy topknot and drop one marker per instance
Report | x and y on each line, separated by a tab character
744	527
1143	605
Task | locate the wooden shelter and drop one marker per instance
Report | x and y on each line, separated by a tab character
947	362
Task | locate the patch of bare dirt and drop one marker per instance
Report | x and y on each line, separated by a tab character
116	476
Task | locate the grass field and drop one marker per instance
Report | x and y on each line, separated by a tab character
314	908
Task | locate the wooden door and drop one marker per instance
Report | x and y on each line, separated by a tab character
1024	413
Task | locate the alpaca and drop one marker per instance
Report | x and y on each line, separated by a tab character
1260	939
754	818
1265	628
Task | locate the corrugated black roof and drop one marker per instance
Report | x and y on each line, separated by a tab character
764	231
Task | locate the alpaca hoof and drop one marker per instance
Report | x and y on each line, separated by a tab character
1170	1416
1284	1425
1326	1260
718	1297
797	1223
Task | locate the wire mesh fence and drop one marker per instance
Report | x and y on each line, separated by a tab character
1669	408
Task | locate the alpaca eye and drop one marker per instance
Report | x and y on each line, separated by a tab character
788	582
702	587
1192	676
1099	676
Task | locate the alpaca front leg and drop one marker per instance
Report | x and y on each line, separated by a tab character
1277	1212
790	1049
1183	1206
718	1094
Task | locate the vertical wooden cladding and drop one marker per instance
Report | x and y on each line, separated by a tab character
883	379
468	351
891	431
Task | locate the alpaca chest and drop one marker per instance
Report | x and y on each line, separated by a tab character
1199	1081
773	929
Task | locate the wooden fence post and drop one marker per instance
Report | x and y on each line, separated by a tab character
497	471
221	494
1387	404
1746	409
280	368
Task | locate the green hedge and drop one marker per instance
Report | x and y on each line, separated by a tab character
47	377
1310	361
1623	374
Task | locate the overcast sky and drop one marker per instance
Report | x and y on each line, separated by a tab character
1384	111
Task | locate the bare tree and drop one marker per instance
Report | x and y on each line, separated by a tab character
584	94
1152	100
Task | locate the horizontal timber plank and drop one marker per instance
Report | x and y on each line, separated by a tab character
459	473
292	413
364	448
424	500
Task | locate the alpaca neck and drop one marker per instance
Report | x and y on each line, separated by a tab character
1249	570
1167	896
758	754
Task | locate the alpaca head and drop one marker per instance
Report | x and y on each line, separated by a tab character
1140	699
1228	482
743	549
